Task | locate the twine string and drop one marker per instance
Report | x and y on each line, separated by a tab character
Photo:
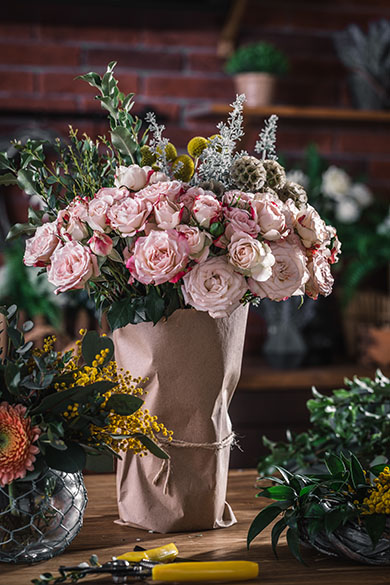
166	463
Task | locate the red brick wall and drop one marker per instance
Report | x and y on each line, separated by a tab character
167	56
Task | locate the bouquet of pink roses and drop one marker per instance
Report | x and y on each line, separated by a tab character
146	231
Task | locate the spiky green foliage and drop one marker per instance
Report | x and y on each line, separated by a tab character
257	57
368	58
355	418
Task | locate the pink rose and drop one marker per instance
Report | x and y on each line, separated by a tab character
100	244
332	248
289	273
321	279
133	177
237	198
270	219
97	214
158	257
310	227
152	193
240	220
199	241
155	176
111	194
129	215
71	221
187	198
167	214
214	286
250	257
207	209
71	266
41	246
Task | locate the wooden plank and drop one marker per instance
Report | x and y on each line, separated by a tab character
100	535
257	376
306	113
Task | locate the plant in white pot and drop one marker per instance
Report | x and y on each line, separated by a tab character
255	68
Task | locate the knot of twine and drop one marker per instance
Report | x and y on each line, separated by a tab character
166	463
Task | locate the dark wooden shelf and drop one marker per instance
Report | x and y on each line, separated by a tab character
301	112
257	376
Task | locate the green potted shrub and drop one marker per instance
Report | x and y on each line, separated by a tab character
255	68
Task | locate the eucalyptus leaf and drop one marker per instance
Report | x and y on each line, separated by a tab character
123	141
123	404
151	446
93	344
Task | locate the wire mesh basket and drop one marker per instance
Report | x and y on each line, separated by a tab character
40	518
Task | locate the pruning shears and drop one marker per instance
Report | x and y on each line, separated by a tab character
156	564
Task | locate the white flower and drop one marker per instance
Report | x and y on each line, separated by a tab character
298	176
250	257
347	210
214	286
362	194
335	182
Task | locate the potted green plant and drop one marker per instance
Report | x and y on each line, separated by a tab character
255	68
344	512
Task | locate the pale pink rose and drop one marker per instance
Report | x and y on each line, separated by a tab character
199	241
289	273
154	176
70	227
237	198
152	193
112	194
207	209
158	257
167	214
41	246
97	214
133	177
321	279
290	211
250	257
101	244
270	219
129	215
187	198
310	227
78	209
72	265
332	248
214	286
240	220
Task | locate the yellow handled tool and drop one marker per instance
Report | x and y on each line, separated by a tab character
208	572
162	554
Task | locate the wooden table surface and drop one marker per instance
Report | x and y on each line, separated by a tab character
101	536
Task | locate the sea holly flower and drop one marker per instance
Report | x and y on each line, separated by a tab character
17	438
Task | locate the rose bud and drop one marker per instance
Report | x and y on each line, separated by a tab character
100	244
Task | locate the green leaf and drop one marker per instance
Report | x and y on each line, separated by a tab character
12	377
20	229
15	336
123	141
93	344
8	179
375	525
151	446
333	519
92	78
262	520
377	469
293	543
26	182
58	402
216	229
279	492
306	490
71	460
334	464
154	305
358	477
123	404
277	530
127	311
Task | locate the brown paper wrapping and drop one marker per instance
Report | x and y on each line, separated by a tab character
193	363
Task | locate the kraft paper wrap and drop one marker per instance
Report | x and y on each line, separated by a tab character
193	363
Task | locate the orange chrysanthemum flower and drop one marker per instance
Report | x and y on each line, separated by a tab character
17	452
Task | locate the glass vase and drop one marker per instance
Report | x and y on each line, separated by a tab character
41	517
